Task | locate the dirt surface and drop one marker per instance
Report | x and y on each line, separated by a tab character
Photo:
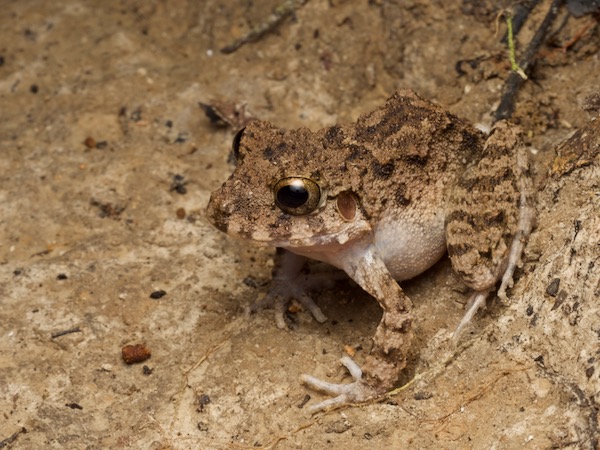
107	165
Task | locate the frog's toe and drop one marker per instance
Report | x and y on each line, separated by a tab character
355	392
280	296
277	302
314	309
476	301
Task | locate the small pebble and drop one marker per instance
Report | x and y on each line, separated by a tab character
89	142
135	353
74	405
158	294
552	288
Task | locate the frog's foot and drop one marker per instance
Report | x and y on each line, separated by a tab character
285	289
355	392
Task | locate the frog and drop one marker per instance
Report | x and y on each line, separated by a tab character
382	199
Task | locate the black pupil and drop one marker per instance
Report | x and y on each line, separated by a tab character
292	196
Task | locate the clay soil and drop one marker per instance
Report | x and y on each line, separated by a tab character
106	166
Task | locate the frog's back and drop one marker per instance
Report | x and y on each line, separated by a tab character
405	154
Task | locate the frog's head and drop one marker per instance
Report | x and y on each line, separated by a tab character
289	189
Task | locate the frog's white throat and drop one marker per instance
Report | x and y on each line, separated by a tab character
407	250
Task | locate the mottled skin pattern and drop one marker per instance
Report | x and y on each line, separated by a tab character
394	190
401	150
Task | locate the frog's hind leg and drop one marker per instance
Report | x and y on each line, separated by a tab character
490	214
527	218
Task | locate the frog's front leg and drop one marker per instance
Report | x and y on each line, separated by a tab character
290	283
390	343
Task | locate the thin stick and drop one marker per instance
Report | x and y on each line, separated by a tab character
12	438
64	332
283	11
514	81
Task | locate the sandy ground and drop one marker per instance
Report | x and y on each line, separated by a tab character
99	122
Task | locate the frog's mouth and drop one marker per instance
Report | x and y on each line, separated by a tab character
302	236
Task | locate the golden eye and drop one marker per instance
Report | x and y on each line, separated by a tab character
297	196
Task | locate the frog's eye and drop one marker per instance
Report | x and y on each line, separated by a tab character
297	196
235	146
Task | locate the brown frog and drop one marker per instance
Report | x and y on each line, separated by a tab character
382	199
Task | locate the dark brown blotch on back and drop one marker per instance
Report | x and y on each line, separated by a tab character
401	196
383	171
471	139
416	160
268	153
379	132
460	216
496	219
332	136
487	182
356	151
